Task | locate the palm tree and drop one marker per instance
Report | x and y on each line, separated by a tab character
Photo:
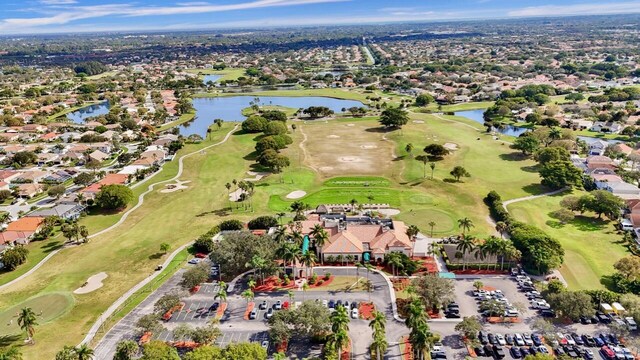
27	322
492	246
308	259
280	235
251	283
511	252
408	148
481	253
502	227
353	203
4	218
431	225
280	215
412	231
291	295
258	263
320	237
421	339
340	340
433	167
377	324
83	352
339	319
305	287
424	159
395	261
465	245
465	224
222	294
248	295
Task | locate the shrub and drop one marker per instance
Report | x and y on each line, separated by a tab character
327	276
254	124
231	225
263	222
320	282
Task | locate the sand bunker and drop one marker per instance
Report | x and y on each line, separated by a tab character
179	185
257	176
349	159
326	168
92	284
368	147
389	212
418	122
235	196
333	136
451	146
296	194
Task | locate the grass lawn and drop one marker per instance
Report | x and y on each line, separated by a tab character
38	250
186	117
227	74
591	245
102	75
339	283
46	307
475	105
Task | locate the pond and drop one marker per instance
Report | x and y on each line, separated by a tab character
212	78
230	108
476	115
81	114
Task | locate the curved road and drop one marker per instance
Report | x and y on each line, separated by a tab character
126	214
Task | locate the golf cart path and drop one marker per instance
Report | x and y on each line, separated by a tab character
531	197
126	214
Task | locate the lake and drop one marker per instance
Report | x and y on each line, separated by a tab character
81	114
476	115
212	78
230	108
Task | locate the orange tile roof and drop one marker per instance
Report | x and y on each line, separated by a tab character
26	224
8	237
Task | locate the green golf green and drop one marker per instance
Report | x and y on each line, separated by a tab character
46	307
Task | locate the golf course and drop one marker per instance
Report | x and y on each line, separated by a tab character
333	161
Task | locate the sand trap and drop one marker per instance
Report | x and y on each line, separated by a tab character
349	159
179	185
257	176
296	194
92	284
235	196
326	168
333	136
368	147
451	146
389	212
418	122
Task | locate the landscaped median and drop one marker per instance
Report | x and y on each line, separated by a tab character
220	312
406	351
250	307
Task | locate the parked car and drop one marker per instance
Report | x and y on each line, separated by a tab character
269	313
613	339
265	344
488	350
253	314
509	339
479	351
569	339
482	337
452	315
598	342
577	339
492	339
332	304
588	354
194	261
527	339
548	313
537	340
627	353
498	352
201	255
263	305
354	304
588	340
519	340
354	313
214	306
515	352
558	351
278	305
607	353
500	339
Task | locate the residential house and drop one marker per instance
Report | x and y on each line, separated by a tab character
607	127
623	190
30	176
66	211
20	231
597	147
27	191
111	179
98	156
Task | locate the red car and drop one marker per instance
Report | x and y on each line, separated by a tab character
607	352
201	255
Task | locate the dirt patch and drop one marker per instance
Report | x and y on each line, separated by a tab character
368	146
296	194
179	185
451	146
93	283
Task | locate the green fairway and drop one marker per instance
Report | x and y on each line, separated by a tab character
227	74
591	245
38	250
181	120
365	181
46	307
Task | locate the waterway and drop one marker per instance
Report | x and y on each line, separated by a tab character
79	116
476	115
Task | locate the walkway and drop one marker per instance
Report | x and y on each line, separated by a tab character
531	197
127	213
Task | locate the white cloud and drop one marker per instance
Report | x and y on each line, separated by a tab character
578	9
58	2
56	16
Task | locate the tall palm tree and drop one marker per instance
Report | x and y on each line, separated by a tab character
378	322
431	225
433	168
421	340
353	203
280	215
84	352
412	231
222	294
379	345
5	217
308	259
280	235
466	246
320	237
248	295
27	321
340	340
511	252
465	224
492	247
424	159
395	261
339	319
482	253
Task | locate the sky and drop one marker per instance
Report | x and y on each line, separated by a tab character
59	16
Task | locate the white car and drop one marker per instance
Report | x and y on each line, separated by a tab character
325	303
519	340
265	344
533	294
354	313
541	305
527	339
500	339
194	261
479	292
569	339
